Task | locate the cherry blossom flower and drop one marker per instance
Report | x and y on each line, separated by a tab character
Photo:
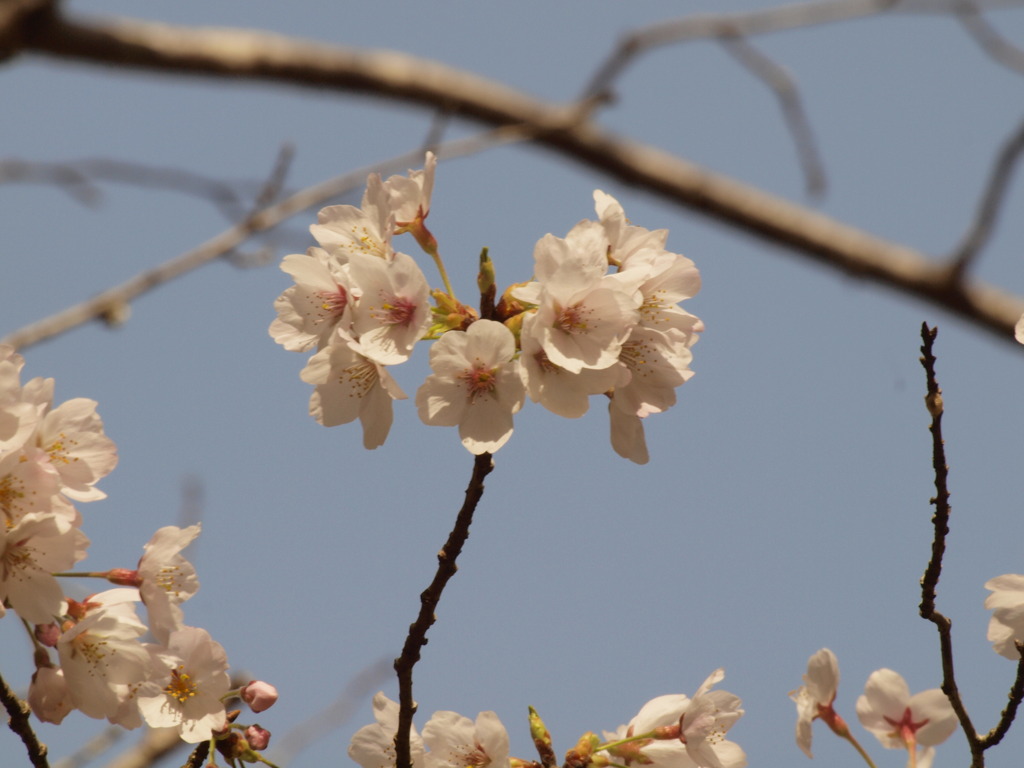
583	314
166	579
1018	331
38	545
373	746
187	693
351	385
684	732
409	196
624	239
1007	605
18	418
457	742
320	301
627	435
476	385
393	311
79	452
103	659
814	698
901	721
344	230
705	722
561	391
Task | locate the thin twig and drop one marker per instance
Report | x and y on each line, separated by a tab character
940	523
417	637
1015	696
113	301
776	78
984	222
78	179
18	714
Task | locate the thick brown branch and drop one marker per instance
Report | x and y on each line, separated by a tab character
261	56
429	598
18	714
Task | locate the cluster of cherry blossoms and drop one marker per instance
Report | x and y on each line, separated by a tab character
600	316
90	654
900	721
673	731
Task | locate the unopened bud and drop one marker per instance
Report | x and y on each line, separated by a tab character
125	577
259	695
933	402
47	634
257	737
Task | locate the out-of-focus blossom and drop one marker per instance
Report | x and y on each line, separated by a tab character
373	746
1006	602
48	695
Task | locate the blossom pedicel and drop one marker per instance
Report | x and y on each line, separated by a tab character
600	316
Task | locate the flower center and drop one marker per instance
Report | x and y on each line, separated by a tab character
573	319
905	728
480	381
398	310
181	688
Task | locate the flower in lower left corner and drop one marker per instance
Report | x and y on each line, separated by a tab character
373	746
187	696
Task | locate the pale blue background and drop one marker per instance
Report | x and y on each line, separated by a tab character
785	507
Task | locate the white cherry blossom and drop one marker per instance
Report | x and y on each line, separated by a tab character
351	385
320	301
344	230
476	385
373	746
166	579
1007	605
814	698
455	741
409	196
901	721
187	693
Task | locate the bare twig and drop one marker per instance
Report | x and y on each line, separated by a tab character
988	38
18	714
114	301
78	179
940	521
429	598
273	58
778	80
988	209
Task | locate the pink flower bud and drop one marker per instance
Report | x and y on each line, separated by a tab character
124	577
47	634
259	695
257	737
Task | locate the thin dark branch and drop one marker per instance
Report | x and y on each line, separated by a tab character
198	756
775	77
1015	696
417	637
940	523
988	38
18	715
988	209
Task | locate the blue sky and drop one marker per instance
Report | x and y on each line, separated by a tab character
785	507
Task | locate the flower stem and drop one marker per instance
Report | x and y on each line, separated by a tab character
860	750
